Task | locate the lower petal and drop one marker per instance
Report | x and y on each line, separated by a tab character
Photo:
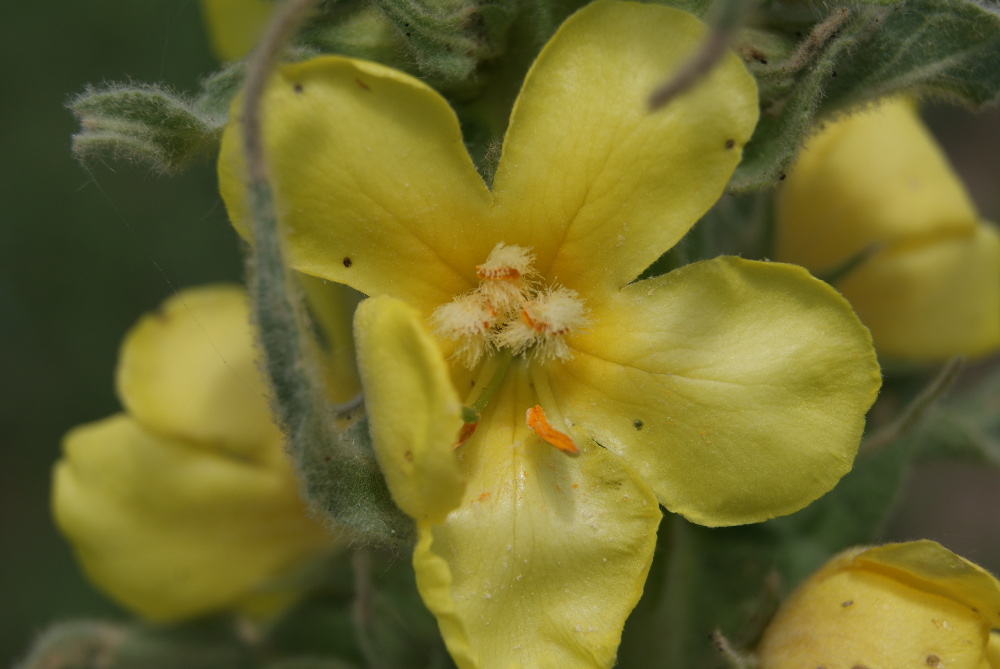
736	389
547	554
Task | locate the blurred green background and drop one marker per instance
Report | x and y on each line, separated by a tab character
83	253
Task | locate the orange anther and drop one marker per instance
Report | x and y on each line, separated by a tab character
463	435
540	425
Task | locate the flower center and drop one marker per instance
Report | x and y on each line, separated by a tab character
510	309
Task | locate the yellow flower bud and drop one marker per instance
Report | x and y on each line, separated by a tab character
185	504
913	604
875	187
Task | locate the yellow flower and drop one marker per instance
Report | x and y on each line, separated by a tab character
185	504
234	26
901	605
877	182
728	391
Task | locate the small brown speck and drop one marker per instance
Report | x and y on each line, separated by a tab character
781	177
362	84
762	61
847	603
859	666
327	458
408	456
348	262
297	88
730	143
407	34
933	660
833	74
637	424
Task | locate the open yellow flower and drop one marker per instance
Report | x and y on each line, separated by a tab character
728	391
877	182
915	604
185	504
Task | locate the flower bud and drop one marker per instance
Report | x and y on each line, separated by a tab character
901	605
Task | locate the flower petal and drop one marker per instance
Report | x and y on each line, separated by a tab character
594	181
172	529
931	300
929	566
234	26
548	553
736	389
876	176
189	370
873	608
372	180
413	409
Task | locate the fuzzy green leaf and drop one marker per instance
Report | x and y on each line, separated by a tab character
942	48
144	124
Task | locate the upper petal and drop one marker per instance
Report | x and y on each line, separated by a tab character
736	389
189	370
876	176
546	555
596	183
933	299
372	181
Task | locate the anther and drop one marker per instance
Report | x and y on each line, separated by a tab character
467	320
544	321
507	278
539	424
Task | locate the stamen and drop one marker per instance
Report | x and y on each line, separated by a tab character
539	424
468	320
543	323
507	278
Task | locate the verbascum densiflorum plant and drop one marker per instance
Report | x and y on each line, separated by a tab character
873	200
913	604
531	403
185	504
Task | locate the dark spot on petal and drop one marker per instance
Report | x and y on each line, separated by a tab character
847	603
933	660
408	456
363	84
730	143
637	424
859	666
297	88
348	262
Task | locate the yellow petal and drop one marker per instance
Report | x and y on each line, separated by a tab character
736	389
413	409
876	176
933	299
372	180
189	370
172	529
234	26
929	566
332	306
900	605
548	552
596	183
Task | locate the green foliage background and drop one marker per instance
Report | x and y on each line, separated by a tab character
82	254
